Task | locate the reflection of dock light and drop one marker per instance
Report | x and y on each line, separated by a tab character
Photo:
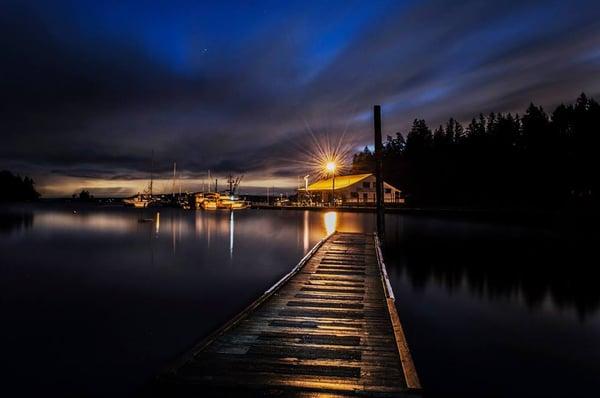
330	219
231	225
157	222
306	228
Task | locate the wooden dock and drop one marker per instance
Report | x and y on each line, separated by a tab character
328	328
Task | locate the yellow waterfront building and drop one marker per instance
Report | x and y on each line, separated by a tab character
350	189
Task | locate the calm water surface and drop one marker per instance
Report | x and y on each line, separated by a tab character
94	302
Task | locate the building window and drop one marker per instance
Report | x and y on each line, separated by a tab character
365	197
366	184
354	194
388	190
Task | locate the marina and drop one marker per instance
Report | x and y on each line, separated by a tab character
205	200
323	199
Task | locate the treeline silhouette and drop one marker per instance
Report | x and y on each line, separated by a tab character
84	196
14	188
500	160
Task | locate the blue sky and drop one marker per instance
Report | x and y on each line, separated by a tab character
91	89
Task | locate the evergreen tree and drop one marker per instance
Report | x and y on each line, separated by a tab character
13	188
499	160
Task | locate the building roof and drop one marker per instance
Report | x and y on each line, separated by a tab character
341	182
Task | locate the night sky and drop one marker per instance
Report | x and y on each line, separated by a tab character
90	89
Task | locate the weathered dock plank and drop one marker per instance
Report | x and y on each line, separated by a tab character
329	328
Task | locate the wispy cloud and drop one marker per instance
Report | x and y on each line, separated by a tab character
90	91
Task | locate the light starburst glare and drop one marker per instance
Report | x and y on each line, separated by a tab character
325	156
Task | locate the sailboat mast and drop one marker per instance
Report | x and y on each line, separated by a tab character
151	173
174	173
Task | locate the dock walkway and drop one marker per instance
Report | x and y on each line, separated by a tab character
328	327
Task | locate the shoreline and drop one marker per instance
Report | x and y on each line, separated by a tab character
583	218
539	217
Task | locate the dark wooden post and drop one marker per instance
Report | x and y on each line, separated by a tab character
333	187
378	173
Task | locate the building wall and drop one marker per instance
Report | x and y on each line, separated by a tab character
363	192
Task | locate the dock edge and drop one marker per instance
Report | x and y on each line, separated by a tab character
171	369
408	367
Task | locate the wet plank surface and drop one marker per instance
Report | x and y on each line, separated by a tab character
325	331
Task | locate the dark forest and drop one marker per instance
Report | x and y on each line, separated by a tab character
16	188
502	160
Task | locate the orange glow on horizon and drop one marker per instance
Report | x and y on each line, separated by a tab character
61	187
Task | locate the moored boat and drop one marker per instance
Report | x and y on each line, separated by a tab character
231	202
145	199
138	201
209	201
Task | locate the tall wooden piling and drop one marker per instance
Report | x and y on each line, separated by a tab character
378	172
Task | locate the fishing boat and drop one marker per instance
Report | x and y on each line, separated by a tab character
231	202
226	200
210	201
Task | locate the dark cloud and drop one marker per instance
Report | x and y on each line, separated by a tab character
91	92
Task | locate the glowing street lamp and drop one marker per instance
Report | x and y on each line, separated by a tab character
330	166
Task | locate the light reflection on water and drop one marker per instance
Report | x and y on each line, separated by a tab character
134	287
330	219
231	234
157	223
68	221
107	297
306	228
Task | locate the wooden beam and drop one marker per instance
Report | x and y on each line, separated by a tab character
378	172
